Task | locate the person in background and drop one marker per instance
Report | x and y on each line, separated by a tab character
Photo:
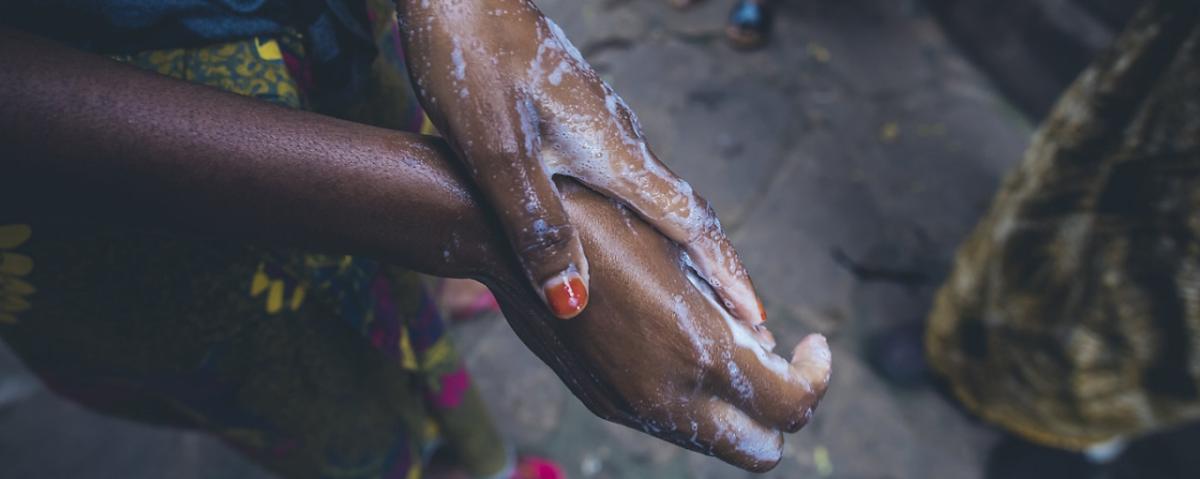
207	306
748	25
1071	316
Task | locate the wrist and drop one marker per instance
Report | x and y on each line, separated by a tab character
415	209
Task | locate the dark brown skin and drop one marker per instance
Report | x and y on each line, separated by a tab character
86	136
654	353
520	106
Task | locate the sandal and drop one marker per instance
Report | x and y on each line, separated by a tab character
749	24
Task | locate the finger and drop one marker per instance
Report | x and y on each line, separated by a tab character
813	361
494	127
690	221
539	230
505	164
775	392
607	151
720	429
764	336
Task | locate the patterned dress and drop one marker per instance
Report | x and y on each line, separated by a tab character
313	364
1072	315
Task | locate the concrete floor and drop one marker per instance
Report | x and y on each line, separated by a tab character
859	130
859	134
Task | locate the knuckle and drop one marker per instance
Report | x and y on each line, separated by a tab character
709	227
800	419
542	239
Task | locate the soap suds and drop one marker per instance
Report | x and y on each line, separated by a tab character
566	43
740	431
684	317
738	330
460	66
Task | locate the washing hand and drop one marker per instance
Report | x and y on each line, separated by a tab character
519	105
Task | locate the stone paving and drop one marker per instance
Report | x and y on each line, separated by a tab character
846	160
858	133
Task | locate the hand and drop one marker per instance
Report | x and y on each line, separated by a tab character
520	105
656	352
652	351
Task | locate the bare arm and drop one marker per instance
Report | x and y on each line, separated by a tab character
84	135
521	106
655	350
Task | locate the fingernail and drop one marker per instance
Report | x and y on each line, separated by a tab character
761	310
566	294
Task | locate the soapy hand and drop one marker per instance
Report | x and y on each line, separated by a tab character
520	105
656	351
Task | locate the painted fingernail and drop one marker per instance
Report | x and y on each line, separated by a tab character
566	294
761	310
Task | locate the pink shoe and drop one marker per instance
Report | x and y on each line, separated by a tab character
464	299
532	467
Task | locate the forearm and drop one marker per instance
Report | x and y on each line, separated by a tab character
82	135
87	134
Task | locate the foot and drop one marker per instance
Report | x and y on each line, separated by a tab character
526	467
533	467
898	354
1107	451
749	24
464	299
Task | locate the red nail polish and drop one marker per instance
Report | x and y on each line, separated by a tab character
762	310
566	295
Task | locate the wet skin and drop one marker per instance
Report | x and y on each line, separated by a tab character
656	351
84	136
517	102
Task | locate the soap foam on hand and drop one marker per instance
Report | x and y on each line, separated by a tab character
811	352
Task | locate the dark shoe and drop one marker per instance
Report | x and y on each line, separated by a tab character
749	24
898	354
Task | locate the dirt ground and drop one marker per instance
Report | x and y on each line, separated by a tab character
846	160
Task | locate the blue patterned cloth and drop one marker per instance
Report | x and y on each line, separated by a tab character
337	33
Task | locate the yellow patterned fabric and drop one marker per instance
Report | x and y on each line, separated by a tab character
1072	315
314	364
252	68
14	268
